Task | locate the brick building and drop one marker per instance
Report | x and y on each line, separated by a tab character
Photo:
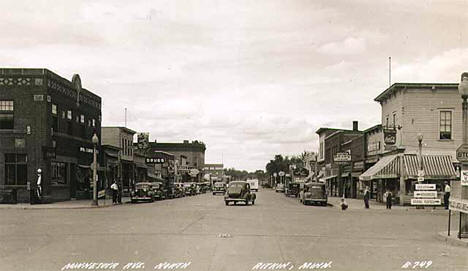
46	122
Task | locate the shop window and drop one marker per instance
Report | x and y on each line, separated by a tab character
16	170
59	173
6	115
445	125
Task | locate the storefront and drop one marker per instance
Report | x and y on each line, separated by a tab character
399	173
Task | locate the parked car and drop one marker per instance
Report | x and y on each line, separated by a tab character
158	191
253	184
314	192
190	189
219	187
239	191
279	188
179	190
293	190
143	192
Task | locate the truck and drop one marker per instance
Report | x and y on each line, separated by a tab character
253	184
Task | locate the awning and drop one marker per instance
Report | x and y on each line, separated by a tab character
111	154
388	167
435	166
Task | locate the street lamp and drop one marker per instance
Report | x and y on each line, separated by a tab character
420	139
95	140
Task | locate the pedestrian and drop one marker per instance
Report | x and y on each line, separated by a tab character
447	191
366	197
39	185
389	198
343	204
115	191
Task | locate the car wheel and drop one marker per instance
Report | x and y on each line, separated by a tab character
226	202
247	202
253	202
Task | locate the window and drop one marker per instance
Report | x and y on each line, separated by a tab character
394	121
59	173
94	123
54	109
16	170
69	114
6	115
63	114
82	118
386	122
445	125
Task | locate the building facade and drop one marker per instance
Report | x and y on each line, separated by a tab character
188	156
46	122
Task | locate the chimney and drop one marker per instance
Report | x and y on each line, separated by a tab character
355	126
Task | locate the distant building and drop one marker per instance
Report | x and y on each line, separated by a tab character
46	122
189	156
215	172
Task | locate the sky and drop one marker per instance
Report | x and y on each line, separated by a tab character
250	79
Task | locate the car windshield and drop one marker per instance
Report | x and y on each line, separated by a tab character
219	184
236	185
142	185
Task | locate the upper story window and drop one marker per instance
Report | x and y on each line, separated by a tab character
69	114
394	121
6	115
82	120
54	109
445	130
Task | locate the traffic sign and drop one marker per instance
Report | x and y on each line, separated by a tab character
426	201
462	153
425	194
425	186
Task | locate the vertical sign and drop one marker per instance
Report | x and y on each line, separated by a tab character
464	177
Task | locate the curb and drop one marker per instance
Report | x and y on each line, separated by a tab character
452	239
60	207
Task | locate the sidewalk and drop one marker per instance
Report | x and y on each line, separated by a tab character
452	239
70	204
359	204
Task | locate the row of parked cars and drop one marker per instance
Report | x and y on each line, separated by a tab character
307	192
151	191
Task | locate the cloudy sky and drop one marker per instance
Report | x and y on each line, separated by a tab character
249	78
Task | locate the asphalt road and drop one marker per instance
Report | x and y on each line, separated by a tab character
211	236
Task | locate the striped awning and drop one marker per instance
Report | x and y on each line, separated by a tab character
388	167
435	166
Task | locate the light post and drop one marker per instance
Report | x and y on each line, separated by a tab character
420	139
95	142
463	90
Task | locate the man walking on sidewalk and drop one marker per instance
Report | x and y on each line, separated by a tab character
115	191
366	197
447	191
389	198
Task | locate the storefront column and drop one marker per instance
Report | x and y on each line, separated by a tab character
402	191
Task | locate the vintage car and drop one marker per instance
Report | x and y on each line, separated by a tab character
190	189
314	192
158	190
239	191
179	190
279	187
219	188
143	192
293	189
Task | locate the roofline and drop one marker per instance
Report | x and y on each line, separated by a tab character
128	130
375	127
395	86
321	129
343	130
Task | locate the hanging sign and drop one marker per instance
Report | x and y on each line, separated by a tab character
464	177
389	136
459	205
426	201
425	186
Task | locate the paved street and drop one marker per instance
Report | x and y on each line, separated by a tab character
212	236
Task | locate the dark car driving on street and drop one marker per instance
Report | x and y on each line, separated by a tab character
239	191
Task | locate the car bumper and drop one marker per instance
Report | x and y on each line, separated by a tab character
140	198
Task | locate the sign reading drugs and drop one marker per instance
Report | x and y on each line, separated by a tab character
425	186
425	202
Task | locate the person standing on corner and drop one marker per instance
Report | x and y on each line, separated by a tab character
389	198
447	191
366	197
115	191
